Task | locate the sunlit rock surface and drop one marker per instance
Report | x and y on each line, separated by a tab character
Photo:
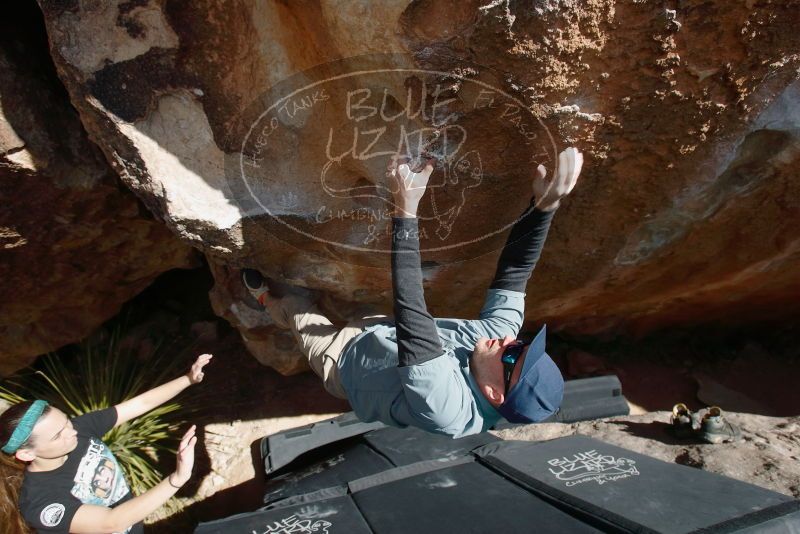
75	244
687	211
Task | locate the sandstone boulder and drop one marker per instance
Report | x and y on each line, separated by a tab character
258	132
75	244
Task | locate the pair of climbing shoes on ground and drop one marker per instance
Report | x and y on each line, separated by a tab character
708	425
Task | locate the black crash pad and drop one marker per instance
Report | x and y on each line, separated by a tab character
458	496
347	461
337	515
341	462
282	448
590	398
631	491
404	480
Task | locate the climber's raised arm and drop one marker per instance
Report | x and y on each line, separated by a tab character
417	339
526	240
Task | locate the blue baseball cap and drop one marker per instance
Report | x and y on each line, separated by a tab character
540	389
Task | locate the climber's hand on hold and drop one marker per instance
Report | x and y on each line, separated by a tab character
549	192
408	185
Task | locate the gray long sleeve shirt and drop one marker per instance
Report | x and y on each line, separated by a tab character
416	371
439	395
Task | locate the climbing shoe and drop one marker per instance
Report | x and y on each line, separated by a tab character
682	423
256	284
714	428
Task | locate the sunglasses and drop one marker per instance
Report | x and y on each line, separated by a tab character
509	358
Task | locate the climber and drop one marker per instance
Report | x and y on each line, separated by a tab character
447	376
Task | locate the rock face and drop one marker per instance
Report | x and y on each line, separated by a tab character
240	126
74	243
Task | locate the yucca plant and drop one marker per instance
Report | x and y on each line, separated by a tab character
100	374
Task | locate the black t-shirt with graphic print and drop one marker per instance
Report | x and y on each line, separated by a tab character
48	500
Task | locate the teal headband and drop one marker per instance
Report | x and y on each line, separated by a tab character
25	427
